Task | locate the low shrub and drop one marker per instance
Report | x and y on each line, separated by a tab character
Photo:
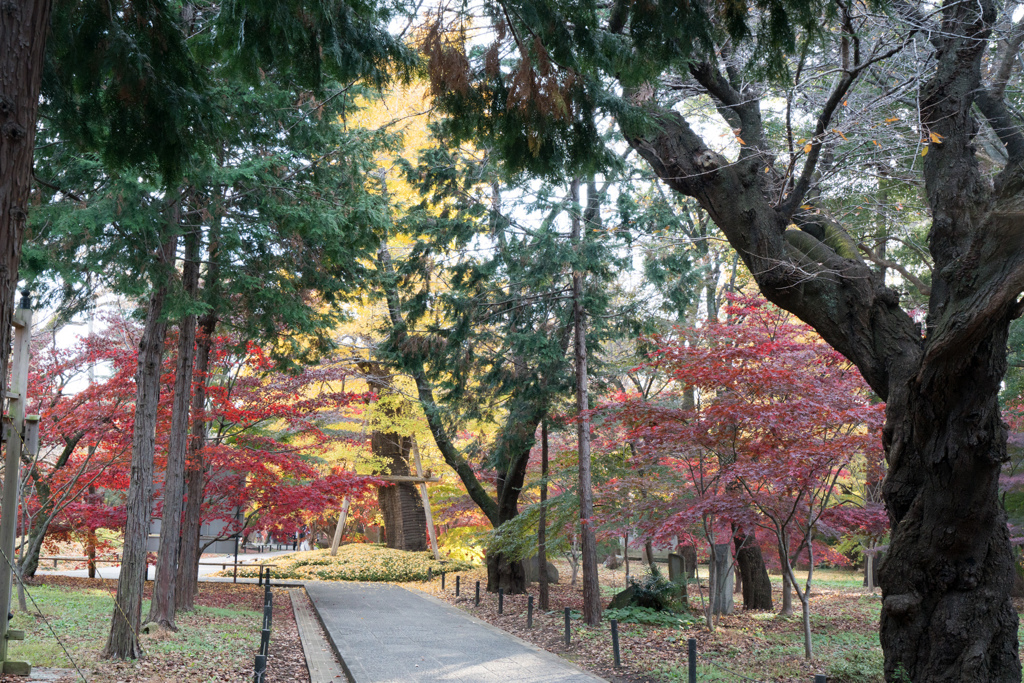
655	592
651	617
358	562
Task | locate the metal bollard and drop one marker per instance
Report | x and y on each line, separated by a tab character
442	580
261	669
265	641
567	627
457	578
615	644
691	646
529	612
477	593
430	574
501	600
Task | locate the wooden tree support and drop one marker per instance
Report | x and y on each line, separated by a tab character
405	479
9	505
426	500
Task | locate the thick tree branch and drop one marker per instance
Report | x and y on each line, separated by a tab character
839	297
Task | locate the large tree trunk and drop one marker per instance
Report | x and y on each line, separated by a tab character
195	474
502	572
505	574
123	642
24	25
405	521
946	579
163	605
757	587
588	535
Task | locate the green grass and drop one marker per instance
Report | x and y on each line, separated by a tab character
81	620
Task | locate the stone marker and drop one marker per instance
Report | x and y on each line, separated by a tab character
532	571
622	599
676	569
689	555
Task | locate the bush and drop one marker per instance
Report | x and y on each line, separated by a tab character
358	562
654	592
651	617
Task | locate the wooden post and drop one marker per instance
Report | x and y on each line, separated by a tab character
341	525
426	499
9	507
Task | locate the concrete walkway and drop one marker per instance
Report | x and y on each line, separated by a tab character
108	571
387	634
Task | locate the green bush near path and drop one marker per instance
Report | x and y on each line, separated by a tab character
358	562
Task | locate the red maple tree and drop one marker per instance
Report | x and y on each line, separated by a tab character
767	428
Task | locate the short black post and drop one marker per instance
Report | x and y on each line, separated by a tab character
567	627
529	612
477	593
265	641
261	668
820	678
615	644
691	646
442	580
501	600
430	574
457	578
259	581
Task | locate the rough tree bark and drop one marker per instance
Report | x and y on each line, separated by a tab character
123	642
195	474
591	588
757	587
163	605
946	580
24	25
405	521
544	594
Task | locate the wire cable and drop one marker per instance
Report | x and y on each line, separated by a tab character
45	620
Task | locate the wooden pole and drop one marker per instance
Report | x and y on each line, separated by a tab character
426	499
336	541
9	506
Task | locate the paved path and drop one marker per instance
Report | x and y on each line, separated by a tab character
108	571
320	660
387	634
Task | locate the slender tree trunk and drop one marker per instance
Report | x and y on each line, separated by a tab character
195	474
163	605
625	552
591	589
90	552
24	25
123	642
542	524
787	586
757	587
649	552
